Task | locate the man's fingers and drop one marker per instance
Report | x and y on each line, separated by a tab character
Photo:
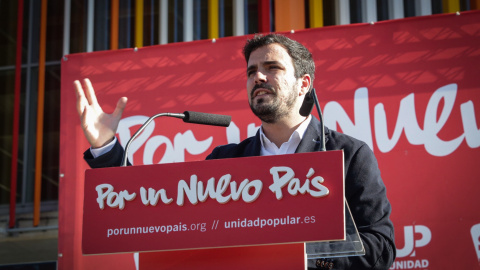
90	93
78	88
81	101
83	118
121	104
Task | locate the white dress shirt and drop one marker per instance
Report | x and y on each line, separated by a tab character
289	147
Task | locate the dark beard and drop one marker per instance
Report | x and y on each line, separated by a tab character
266	112
271	113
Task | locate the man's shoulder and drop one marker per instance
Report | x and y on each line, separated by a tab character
340	141
342	138
245	148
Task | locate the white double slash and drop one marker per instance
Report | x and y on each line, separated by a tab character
215	224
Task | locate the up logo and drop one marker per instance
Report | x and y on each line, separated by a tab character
475	231
411	243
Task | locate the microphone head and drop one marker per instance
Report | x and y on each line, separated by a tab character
207	119
307	104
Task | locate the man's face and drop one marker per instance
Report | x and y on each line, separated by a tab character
272	87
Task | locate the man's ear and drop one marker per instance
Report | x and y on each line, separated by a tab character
306	82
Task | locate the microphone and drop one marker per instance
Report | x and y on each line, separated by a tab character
188	117
306	108
207	119
307	104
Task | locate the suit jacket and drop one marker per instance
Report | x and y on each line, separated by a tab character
364	190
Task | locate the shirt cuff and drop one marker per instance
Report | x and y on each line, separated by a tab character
96	152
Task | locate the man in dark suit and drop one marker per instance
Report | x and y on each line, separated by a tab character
280	73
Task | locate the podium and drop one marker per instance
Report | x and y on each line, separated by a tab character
243	212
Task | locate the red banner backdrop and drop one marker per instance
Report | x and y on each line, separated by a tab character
409	88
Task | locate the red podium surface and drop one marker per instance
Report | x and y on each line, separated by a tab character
216	203
288	256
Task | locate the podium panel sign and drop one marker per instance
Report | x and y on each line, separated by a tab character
215	203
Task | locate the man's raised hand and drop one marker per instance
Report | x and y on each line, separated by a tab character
99	127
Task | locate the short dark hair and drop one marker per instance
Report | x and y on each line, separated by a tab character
301	56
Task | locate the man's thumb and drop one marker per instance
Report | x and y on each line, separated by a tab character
121	104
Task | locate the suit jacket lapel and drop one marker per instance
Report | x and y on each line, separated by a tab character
254	148
311	138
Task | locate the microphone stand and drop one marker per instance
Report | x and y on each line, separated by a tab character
320	115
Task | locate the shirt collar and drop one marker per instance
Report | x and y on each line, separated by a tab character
289	147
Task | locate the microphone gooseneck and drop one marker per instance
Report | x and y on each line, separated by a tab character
320	115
